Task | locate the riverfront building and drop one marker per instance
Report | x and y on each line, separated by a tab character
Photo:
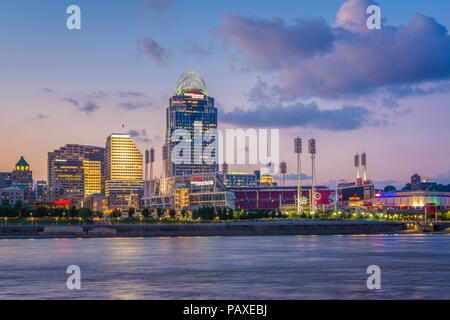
22	176
76	171
123	171
189	192
408	200
5	180
12	195
191	113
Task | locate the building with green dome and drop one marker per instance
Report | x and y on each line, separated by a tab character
22	176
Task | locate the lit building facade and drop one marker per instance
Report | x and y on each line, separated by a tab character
123	170
188	192
5	180
75	171
412	199
240	180
191	110
22	176
92	177
12	195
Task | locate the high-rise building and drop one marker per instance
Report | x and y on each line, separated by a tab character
190	109
92	177
5	180
76	171
416	181
123	170
42	191
22	176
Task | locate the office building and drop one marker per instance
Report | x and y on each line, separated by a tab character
22	176
5	180
76	171
11	195
123	170
192	110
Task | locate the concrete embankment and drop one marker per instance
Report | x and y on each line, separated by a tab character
268	228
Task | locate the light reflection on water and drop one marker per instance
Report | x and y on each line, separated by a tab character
278	267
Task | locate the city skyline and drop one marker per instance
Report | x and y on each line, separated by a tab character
401	123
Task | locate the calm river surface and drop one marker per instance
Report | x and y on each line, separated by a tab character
275	267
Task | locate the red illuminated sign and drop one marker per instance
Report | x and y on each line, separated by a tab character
197	179
63	202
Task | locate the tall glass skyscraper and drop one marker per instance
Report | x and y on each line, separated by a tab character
123	168
191	109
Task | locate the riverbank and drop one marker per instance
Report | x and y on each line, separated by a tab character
263	228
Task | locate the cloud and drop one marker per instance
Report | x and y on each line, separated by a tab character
87	107
191	47
98	94
272	44
134	105
140	135
301	115
47	90
42	116
126	94
72	101
153	49
313	59
443	178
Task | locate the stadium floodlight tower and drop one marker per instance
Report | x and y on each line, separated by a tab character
364	165
357	166
283	169
146	182
152	161
298	151
313	199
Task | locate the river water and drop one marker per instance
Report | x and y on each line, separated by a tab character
273	267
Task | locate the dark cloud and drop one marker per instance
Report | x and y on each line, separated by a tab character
273	44
312	59
192	47
301	115
133	94
140	135
153	49
72	101
134	105
47	90
42	116
88	107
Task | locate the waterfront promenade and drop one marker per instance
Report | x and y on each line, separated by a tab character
260	228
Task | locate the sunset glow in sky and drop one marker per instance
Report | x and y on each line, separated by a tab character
305	67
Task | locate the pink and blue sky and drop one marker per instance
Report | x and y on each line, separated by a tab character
306	67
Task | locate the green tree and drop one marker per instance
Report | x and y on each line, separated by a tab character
172	214
390	188
84	213
146	213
